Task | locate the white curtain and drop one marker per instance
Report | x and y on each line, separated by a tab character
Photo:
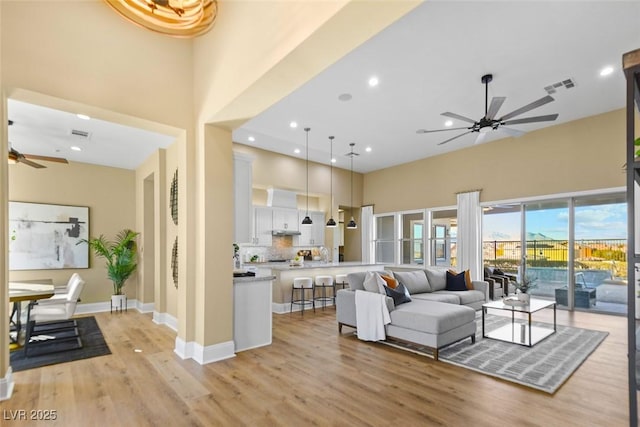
366	216
469	239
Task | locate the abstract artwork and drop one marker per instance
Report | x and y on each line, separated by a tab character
44	237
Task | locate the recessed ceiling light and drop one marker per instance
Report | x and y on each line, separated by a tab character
368	149
83	116
76	148
251	139
333	160
297	151
606	71
293	124
448	123
373	81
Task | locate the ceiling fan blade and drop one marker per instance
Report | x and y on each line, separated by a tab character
547	118
455	137
511	132
459	117
24	160
46	158
535	104
496	103
438	130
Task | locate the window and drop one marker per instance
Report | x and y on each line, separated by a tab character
385	239
412	244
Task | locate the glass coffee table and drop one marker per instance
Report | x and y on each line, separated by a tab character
523	333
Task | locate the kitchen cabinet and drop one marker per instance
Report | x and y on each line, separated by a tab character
311	235
286	219
262	226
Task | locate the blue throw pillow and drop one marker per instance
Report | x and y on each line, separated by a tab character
400	294
456	282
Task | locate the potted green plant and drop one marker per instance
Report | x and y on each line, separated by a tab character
120	255
524	286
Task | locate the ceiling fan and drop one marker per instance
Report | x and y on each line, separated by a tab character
489	122
16	157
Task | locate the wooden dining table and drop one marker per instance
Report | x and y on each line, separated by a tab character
23	291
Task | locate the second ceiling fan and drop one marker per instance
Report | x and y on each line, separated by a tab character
489	123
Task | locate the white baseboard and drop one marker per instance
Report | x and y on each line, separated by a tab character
101	307
6	385
284	308
204	355
145	307
165	319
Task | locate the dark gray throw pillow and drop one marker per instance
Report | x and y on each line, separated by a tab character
456	282
400	294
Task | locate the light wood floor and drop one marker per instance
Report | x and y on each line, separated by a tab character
311	376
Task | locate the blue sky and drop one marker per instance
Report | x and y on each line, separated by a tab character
592	222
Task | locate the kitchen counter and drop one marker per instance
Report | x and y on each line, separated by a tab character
284	275
247	279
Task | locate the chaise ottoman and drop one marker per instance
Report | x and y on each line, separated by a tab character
432	324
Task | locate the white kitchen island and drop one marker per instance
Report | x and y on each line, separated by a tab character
285	273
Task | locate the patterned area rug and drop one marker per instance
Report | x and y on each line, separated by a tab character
545	366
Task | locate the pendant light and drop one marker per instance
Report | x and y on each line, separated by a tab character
352	223
307	220
331	223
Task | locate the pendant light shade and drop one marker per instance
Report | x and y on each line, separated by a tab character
331	223
352	223
307	220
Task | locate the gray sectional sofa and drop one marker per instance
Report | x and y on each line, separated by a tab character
434	318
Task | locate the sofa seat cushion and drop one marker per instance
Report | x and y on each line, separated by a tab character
431	317
450	298
415	281
465	297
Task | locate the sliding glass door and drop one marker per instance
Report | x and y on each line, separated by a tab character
574	249
547	248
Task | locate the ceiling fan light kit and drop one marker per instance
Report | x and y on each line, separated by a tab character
14	156
489	123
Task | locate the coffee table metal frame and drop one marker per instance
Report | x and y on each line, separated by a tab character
517	332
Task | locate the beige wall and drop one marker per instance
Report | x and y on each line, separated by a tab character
581	155
110	195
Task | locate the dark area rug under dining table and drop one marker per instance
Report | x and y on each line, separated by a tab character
52	352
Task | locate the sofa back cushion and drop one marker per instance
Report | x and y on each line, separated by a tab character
415	281
356	280
437	279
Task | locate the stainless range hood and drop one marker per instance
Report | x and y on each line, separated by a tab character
285	233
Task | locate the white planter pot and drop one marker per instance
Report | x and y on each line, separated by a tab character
524	297
118	302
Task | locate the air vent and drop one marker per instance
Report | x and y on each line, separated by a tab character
80	133
553	88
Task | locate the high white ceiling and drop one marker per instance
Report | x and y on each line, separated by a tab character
48	132
431	61
428	62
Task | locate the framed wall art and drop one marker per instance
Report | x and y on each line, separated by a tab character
45	236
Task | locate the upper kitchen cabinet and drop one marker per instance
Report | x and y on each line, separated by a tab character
286	219
242	186
311	235
262	226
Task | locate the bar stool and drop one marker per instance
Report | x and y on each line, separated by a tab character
324	283
341	280
300	285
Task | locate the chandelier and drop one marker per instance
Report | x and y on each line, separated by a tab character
177	18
